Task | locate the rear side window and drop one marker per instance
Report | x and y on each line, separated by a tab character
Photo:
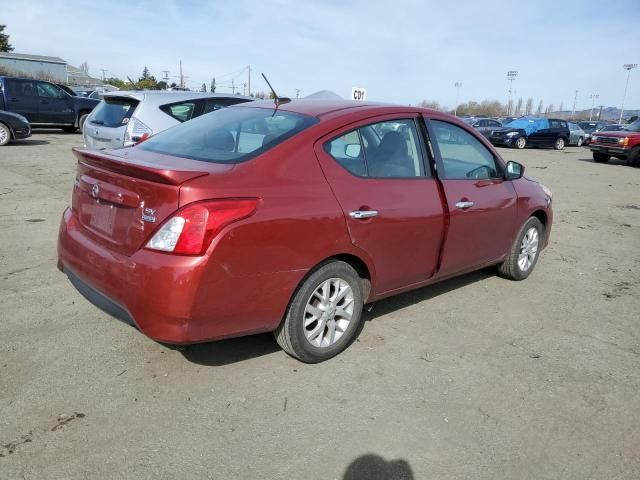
213	104
20	88
113	112
388	149
182	111
229	135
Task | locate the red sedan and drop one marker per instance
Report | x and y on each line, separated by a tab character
289	217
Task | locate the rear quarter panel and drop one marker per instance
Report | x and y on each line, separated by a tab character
257	263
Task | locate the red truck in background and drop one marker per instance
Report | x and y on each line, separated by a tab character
623	144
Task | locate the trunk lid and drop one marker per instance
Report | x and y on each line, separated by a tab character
121	198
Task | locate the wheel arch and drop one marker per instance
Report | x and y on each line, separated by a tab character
542	216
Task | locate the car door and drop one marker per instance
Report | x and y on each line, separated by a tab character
391	202
21	97
54	108
481	204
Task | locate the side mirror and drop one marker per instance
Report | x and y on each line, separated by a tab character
514	171
352	150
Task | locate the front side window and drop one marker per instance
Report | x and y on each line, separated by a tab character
389	149
464	157
229	135
48	90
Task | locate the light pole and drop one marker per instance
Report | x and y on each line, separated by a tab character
511	76
628	67
573	112
593	97
458	86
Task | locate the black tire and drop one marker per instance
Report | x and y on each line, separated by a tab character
81	120
520	143
290	334
634	157
510	268
5	134
600	157
560	143
69	129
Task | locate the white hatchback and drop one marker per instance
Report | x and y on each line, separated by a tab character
125	118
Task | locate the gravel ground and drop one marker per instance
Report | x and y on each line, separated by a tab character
477	377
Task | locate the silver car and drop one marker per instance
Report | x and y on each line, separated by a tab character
125	118
577	135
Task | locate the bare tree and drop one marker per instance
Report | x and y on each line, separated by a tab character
431	104
519	107
487	108
528	109
539	109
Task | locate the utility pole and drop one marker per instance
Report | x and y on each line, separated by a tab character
181	76
628	67
249	74
458	86
593	97
600	112
244	88
233	87
298	92
104	74
511	76
575	101
166	78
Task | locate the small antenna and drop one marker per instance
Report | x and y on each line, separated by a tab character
278	100
135	85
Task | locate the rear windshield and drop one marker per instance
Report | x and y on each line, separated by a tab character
113	112
229	135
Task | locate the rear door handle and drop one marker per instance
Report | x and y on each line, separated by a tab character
464	205
358	214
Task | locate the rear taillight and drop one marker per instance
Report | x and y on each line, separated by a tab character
190	230
136	132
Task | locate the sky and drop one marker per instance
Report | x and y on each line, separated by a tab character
400	51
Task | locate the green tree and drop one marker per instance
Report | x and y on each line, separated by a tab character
145	74
5	46
117	82
162	85
213	85
147	81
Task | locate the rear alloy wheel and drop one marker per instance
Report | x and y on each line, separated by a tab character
520	143
5	135
580	141
523	255
600	158
324	314
559	143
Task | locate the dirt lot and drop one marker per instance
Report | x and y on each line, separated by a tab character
477	377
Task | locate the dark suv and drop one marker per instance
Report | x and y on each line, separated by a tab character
534	132
44	104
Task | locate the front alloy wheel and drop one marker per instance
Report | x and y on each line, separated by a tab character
524	252
521	143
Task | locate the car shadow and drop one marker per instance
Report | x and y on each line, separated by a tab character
374	467
27	142
225	352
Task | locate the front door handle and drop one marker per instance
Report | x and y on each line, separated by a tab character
464	205
358	214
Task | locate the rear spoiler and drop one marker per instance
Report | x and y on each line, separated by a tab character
137	169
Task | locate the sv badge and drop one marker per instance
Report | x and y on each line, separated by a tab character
148	215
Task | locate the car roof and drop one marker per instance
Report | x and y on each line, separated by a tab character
163	96
321	108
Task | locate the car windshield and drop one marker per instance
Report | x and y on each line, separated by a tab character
633	127
588	127
229	135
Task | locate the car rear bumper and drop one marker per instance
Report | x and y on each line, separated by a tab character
607	150
172	298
